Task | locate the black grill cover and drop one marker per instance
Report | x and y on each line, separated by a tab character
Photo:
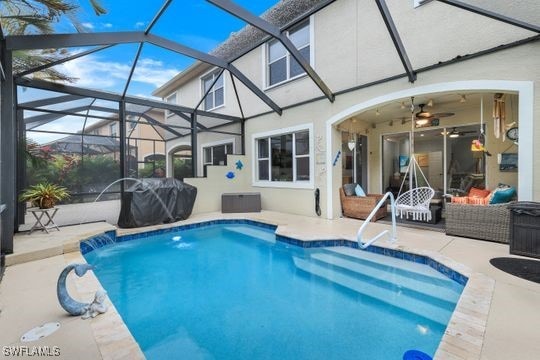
156	201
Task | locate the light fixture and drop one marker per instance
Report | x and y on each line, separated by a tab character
462	98
422	122
402	105
444	133
377	113
422	134
453	133
422	113
351	143
430	103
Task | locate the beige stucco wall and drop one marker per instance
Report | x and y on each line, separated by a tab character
513	64
206	139
352	47
209	189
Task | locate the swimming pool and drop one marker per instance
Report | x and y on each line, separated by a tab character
231	291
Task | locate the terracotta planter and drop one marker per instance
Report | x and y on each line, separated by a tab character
46	203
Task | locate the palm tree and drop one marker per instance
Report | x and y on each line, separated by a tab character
22	17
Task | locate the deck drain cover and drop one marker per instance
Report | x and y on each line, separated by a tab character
40	332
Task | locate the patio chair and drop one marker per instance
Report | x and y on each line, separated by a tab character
415	203
359	207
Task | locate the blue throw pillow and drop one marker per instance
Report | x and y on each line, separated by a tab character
502	196
348	189
359	191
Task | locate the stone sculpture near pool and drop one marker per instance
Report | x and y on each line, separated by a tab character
76	308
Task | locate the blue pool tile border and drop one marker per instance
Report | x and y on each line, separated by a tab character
396	253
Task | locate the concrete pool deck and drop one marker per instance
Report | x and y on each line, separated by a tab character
511	313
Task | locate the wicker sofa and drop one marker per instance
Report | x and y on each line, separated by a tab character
490	222
359	207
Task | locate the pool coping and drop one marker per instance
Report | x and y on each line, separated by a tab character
464	334
112	336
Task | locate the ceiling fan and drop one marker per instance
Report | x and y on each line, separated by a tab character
423	117
454	133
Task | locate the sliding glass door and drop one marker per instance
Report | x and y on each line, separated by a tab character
444	156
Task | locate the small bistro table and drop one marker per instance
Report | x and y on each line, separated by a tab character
49	216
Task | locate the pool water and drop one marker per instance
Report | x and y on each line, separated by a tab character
233	292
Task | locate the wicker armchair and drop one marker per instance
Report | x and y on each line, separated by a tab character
490	222
359	207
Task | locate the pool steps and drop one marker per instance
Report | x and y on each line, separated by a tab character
382	261
392	277
261	234
425	297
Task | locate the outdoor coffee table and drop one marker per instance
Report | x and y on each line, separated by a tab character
49	216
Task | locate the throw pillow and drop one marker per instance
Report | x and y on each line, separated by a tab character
359	191
348	189
478	193
502	196
460	199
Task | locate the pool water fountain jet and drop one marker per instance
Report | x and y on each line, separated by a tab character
98	241
137	181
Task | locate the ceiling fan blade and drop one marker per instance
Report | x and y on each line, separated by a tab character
440	115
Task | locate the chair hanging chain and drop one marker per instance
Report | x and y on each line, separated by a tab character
413	165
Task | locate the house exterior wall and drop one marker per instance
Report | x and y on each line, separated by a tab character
146	147
352	47
145	131
204	139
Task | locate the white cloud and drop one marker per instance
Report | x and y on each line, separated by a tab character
91	71
139	24
88	25
107	25
147	96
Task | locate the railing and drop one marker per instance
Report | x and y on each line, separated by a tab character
382	202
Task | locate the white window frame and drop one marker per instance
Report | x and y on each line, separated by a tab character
113	129
168	113
211	145
295	184
266	63
213	72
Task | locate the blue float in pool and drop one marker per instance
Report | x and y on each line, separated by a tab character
416	355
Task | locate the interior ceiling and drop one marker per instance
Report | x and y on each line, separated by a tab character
400	109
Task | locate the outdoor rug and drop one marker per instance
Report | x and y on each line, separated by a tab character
523	268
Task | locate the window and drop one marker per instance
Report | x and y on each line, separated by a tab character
112	129
215	97
216	155
132	122
284	157
281	66
171	99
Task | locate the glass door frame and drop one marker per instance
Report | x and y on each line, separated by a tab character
356	137
444	129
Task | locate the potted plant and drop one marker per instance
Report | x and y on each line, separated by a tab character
44	195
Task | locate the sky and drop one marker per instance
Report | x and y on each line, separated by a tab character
195	23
